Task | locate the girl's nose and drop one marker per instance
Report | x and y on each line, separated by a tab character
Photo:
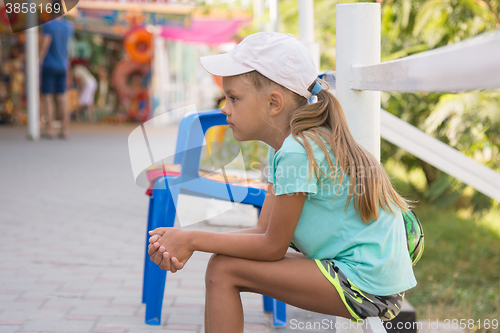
225	110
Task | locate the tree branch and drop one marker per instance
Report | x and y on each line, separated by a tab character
488	3
492	10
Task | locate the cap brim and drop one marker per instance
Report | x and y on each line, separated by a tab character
223	65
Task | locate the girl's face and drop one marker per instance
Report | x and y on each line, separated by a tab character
244	108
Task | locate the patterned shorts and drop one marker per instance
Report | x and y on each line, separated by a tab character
359	303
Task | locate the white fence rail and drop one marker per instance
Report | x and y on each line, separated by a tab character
468	65
440	155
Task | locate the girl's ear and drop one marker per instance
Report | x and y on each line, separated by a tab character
276	102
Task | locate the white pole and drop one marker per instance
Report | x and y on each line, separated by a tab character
160	76
273	14
32	83
306	28
358	43
258	10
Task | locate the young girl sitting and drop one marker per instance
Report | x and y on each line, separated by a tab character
327	197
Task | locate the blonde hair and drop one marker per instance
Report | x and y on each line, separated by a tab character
325	119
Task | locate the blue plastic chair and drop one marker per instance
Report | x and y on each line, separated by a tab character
162	205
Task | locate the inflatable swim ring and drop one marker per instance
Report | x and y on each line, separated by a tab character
122	74
138	45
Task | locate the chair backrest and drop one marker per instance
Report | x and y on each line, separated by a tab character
192	130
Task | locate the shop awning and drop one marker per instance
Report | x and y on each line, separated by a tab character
206	31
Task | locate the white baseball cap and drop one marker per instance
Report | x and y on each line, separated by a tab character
279	57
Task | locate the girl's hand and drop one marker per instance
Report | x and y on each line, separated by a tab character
152	240
155	254
162	258
168	248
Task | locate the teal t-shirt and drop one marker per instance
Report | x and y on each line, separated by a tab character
373	256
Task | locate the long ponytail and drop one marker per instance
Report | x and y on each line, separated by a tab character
326	120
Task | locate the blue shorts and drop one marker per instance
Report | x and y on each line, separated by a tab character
53	81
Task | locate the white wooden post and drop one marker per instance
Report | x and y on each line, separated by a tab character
161	77
258	10
306	28
32	82
273	14
358	43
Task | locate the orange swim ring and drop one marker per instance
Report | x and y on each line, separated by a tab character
138	44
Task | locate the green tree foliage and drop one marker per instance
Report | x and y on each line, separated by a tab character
413	26
466	121
470	122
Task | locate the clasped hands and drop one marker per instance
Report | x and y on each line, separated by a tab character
169	248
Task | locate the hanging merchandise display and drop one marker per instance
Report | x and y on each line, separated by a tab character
139	109
126	78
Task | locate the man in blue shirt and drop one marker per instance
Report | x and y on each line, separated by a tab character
55	64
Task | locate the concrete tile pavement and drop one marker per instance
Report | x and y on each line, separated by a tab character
73	225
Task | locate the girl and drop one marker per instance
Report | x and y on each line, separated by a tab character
327	197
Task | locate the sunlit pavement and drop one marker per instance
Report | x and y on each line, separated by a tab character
73	226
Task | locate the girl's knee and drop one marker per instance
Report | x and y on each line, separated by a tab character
218	269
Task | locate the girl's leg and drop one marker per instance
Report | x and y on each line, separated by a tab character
293	280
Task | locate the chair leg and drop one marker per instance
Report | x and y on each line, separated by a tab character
268	303
278	308
163	216
147	262
279	313
154	294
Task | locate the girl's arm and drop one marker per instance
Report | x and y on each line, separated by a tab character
268	246
262	223
261	228
265	214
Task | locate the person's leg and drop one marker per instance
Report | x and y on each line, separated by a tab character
293	280
47	99
62	107
62	103
43	113
48	106
17	115
91	106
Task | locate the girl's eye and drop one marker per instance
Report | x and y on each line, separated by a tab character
233	99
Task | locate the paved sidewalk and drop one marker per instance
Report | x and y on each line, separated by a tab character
73	224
